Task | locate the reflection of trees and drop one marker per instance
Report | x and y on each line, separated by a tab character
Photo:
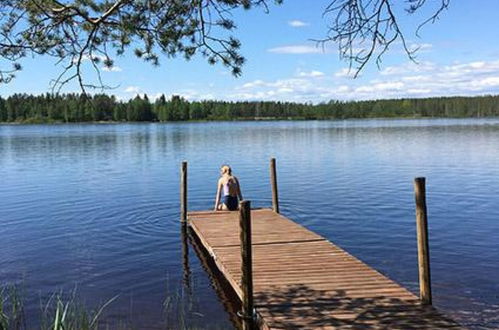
185	257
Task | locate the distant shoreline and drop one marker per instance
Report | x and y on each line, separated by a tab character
102	108
269	119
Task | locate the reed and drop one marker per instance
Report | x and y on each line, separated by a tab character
11	308
61	312
65	311
178	308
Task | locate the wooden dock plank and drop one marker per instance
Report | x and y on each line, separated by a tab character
301	280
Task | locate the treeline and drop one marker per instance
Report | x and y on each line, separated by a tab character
77	108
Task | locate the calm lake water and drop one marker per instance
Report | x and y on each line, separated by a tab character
94	208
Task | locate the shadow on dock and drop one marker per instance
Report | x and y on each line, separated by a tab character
319	308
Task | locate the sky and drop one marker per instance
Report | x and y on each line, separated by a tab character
458	55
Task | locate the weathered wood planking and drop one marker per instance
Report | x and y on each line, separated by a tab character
301	280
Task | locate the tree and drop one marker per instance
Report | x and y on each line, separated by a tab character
196	111
178	109
364	29
160	108
76	108
3	111
78	32
92	32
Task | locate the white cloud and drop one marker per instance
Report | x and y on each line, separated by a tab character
297	23
285	90
254	83
420	78
418	91
343	89
407	68
311	74
297	49
364	89
345	73
479	67
486	82
132	89
407	80
390	85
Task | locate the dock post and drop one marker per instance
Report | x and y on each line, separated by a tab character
185	255
183	192
273	180
246	265
423	247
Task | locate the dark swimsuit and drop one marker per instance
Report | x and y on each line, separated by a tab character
229	201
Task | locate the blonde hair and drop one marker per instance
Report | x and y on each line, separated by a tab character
226	170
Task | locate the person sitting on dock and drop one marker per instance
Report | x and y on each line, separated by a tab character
228	185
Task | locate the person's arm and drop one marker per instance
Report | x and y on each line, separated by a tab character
239	194
217	198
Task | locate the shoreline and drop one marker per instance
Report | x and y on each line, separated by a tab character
266	119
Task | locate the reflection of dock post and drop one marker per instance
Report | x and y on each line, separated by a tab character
183	192
185	255
273	181
246	265
423	247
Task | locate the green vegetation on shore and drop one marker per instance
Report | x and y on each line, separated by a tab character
48	108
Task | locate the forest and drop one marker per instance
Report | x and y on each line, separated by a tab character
68	108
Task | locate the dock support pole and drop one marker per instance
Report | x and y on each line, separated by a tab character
246	265
183	192
423	248
273	180
185	256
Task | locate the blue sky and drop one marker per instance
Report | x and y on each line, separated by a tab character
458	55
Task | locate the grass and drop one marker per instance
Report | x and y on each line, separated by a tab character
68	313
11	308
59	312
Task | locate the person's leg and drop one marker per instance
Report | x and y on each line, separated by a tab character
225	203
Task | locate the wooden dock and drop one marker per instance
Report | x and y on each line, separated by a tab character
301	280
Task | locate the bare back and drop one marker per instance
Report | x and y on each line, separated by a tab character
229	185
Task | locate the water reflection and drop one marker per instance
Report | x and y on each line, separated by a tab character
226	294
185	256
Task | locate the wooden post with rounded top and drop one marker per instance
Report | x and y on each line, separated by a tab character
183	192
423	247
246	265
273	181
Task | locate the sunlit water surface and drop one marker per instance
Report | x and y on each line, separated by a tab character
94	208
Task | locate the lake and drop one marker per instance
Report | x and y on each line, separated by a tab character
94	209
